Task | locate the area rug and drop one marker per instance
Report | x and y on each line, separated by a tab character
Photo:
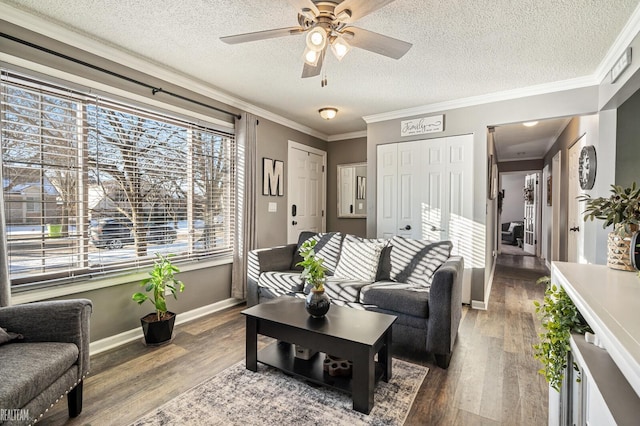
238	396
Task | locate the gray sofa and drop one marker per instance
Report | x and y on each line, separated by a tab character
426	299
46	358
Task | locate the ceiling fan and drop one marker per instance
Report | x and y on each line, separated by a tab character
326	24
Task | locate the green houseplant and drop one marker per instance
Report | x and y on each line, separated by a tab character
158	326
560	318
317	302
622	210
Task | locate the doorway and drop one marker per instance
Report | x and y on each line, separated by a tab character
306	180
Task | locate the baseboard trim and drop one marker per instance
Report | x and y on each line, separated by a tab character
484	304
131	335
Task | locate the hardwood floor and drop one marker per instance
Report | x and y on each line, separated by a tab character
492	378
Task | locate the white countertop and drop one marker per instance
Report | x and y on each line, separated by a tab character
609	300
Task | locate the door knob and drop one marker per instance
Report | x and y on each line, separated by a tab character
575	229
406	228
294	223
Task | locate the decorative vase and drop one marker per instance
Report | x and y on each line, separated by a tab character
619	249
317	303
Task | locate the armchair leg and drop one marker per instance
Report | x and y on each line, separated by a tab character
442	361
74	400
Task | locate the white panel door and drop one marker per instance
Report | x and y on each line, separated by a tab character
575	242
306	177
530	214
427	186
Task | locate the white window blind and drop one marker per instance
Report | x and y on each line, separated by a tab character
93	186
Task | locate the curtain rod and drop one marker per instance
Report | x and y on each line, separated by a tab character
154	89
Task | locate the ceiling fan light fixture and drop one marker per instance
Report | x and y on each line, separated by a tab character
311	57
316	39
328	112
340	47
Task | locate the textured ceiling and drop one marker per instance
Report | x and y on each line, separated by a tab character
460	49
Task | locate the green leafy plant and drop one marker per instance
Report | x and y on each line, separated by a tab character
559	318
313	272
621	208
161	278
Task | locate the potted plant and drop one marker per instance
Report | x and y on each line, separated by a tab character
560	318
158	326
622	210
317	302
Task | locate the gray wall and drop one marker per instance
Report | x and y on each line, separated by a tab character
628	142
273	142
476	119
343	152
513	202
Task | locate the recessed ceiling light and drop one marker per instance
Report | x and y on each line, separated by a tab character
530	123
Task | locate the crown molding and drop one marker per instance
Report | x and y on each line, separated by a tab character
540	89
345	136
83	42
627	35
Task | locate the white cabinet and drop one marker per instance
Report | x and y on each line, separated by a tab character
425	191
609	390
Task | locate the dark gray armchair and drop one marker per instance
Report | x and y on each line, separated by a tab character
512	231
51	359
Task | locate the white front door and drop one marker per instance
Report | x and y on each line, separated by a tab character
306	183
575	223
530	213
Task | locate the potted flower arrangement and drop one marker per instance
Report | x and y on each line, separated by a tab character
622	210
317	302
158	326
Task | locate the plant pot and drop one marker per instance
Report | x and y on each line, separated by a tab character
158	332
317	303
619	250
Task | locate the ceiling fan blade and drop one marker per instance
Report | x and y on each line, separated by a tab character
301	5
359	8
312	71
377	43
261	35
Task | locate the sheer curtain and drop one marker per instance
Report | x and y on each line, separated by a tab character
245	233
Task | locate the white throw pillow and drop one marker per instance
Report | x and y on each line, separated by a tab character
359	261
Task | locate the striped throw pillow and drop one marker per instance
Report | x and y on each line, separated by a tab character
359	260
415	261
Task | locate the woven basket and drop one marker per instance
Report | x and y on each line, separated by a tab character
618	253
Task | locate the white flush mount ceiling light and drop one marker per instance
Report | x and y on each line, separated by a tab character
328	113
530	123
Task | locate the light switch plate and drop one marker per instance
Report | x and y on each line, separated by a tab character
273	207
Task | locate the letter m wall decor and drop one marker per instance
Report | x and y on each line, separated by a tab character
272	177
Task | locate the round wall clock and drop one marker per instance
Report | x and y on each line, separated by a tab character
587	167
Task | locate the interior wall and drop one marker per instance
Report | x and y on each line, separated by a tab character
513	201
273	142
476	120
628	142
343	152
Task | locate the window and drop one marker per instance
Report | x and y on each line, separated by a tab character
92	185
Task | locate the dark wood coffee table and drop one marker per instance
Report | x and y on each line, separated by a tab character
347	333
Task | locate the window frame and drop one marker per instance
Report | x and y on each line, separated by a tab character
88	273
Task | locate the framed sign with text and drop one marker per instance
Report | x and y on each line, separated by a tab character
421	126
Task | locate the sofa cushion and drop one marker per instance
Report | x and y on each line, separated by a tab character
281	283
415	261
327	248
359	260
391	296
344	290
384	265
27	369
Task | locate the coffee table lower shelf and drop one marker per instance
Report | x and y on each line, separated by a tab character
281	355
